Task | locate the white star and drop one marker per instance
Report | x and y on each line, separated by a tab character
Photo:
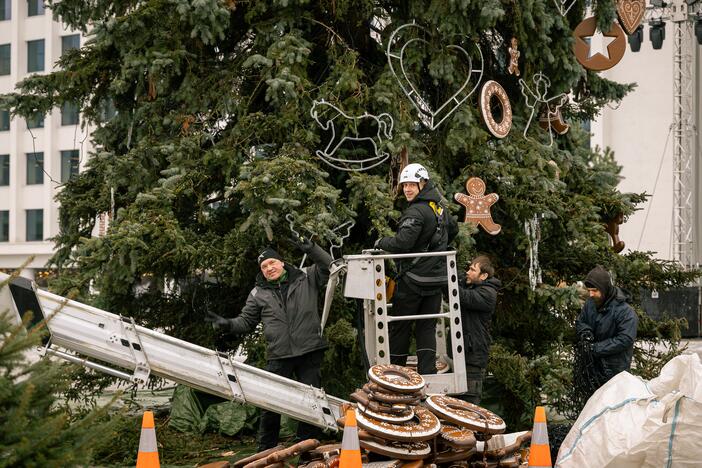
599	44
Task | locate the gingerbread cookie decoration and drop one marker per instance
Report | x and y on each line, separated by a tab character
514	54
478	205
612	228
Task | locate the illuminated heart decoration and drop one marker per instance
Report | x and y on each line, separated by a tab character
431	118
564	6
631	13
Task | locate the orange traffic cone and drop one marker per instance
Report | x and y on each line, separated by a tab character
540	453
350	448
148	452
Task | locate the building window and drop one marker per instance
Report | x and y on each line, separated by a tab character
4	169
4	226
35	121
35	168
70	161
5	58
35	7
35	225
5	10
70	42
69	113
4	120
35	56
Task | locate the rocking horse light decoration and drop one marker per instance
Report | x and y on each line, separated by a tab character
345	130
536	98
398	47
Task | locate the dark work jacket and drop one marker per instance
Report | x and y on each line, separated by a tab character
291	324
614	328
415	233
478	303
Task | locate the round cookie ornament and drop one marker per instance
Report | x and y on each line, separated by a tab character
492	91
478	205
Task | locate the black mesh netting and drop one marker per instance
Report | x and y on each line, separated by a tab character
556	434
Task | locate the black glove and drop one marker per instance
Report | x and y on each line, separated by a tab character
586	335
586	344
218	322
303	243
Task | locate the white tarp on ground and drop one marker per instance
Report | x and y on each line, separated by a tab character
631	423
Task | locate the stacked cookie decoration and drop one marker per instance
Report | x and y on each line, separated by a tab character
396	419
391	420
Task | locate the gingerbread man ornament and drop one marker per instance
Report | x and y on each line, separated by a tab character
478	205
514	54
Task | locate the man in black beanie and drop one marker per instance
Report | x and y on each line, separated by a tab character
285	300
606	326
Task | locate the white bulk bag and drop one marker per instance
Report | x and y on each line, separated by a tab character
632	423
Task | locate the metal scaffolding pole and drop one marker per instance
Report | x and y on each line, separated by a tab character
683	133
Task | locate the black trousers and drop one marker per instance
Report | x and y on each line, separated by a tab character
305	369
409	302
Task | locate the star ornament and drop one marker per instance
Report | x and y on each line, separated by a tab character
599	44
597	50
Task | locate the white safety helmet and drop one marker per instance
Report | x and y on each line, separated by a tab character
413	173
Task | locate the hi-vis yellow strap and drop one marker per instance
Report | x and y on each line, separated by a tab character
438	210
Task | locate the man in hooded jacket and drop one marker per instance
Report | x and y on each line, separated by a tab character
285	300
478	298
606	327
425	226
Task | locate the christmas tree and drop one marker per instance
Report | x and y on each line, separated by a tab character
36	428
219	133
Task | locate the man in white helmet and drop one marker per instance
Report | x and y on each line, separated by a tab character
425	226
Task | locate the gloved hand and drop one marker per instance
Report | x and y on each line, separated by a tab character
586	342
375	246
303	243
586	335
218	322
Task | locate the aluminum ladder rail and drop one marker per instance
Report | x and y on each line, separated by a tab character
365	279
94	333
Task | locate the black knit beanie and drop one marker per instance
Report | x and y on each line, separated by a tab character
268	253
601	279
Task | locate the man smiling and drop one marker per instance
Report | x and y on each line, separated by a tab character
285	300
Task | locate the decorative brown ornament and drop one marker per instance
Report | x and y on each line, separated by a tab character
630	13
612	228
514	54
478	205
598	58
552	119
494	89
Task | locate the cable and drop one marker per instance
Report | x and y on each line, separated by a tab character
34	155
655	184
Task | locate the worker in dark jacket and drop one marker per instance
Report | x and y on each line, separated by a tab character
478	298
285	300
607	325
425	226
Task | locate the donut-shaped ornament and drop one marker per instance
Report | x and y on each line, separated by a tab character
387	417
458	438
377	393
396	378
395	449
496	109
465	414
423	426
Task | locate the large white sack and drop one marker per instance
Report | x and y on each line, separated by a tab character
631	423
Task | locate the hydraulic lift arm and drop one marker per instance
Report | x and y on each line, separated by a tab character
93	333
